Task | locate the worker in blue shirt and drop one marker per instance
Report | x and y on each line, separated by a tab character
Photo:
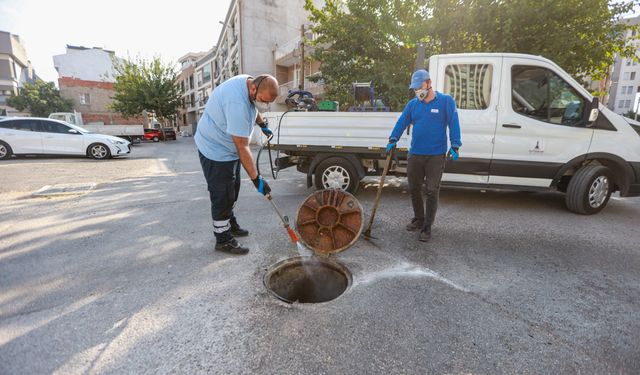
222	139
431	113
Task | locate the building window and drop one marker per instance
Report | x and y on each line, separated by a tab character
85	99
627	103
630	90
191	82
625	76
206	73
633	75
621	104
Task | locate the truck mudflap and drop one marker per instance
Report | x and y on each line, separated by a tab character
634	186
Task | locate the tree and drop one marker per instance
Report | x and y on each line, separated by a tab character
375	40
40	99
146	86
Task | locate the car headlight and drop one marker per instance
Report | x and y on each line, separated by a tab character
115	142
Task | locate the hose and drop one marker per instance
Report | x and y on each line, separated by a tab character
267	144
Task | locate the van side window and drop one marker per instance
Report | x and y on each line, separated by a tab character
541	94
469	84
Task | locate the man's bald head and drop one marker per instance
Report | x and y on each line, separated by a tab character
263	88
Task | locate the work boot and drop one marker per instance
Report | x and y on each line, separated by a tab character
237	231
425	234
414	225
232	247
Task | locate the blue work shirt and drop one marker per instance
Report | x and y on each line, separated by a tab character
430	122
228	112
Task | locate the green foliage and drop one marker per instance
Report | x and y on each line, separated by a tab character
146	86
375	40
40	99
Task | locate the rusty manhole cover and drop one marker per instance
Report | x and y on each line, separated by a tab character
329	221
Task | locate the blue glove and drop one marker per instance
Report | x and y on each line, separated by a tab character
262	185
453	153
264	126
392	144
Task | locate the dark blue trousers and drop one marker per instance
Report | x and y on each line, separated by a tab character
223	183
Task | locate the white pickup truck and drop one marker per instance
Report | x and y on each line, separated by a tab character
525	125
132	133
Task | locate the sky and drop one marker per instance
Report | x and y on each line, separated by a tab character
133	28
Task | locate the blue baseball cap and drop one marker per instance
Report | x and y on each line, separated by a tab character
418	77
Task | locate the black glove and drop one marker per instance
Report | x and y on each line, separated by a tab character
262	185
264	126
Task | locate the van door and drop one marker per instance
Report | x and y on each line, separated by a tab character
23	136
541	124
56	139
474	83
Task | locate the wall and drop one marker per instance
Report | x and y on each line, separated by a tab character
100	99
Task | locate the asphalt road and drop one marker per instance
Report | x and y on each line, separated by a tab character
124	279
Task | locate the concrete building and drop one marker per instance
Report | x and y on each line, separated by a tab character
625	79
263	37
188	113
86	77
15	71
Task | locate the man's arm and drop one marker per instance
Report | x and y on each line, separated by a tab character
402	123
454	124
242	145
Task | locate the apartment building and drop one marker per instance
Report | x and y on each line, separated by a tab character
86	77
188	113
15	71
624	92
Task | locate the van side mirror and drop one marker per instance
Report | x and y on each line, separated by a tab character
593	112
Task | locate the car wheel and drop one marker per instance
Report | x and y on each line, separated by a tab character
336	173
99	151
589	190
156	139
5	151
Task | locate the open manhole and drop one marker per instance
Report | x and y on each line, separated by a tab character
307	280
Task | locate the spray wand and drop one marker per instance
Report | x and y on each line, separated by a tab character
284	218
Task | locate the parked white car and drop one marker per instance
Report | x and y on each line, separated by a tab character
31	136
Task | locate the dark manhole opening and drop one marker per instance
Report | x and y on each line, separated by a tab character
307	280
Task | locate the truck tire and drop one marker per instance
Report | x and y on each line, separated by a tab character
5	151
99	151
589	190
336	173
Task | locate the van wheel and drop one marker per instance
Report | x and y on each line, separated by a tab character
589	190
156	139
5	151
99	151
336	173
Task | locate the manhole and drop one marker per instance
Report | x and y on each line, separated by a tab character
329	221
307	280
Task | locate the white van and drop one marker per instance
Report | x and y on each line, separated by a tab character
33	136
525	124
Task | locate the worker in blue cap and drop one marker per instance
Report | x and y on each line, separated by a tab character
431	113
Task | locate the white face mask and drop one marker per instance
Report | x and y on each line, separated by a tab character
261	106
422	94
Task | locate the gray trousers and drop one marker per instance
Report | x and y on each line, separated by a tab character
421	167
